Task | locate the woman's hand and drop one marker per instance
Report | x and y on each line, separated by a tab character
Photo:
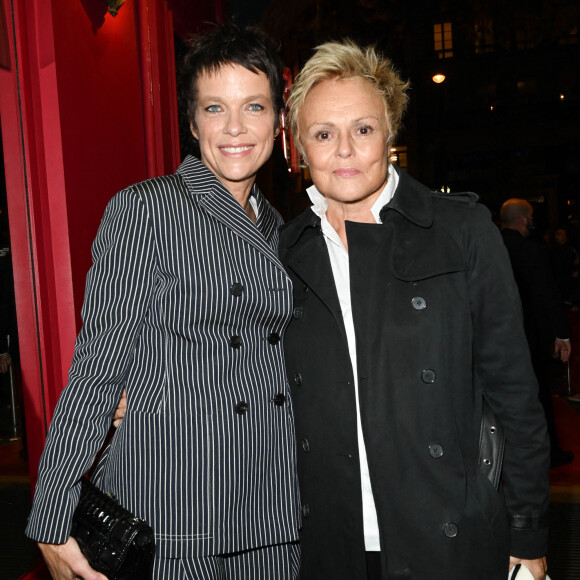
66	561
121	409
537	567
4	362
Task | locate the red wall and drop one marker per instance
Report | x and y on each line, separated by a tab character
194	16
101	117
88	106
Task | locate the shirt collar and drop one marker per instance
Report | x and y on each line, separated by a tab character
320	203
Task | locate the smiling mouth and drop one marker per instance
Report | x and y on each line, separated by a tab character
239	149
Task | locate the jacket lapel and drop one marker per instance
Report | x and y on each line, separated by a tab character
209	192
267	222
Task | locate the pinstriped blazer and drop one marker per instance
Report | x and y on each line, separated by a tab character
185	307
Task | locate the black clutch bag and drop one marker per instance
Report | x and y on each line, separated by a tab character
114	541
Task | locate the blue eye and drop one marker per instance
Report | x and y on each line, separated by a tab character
213	109
256	107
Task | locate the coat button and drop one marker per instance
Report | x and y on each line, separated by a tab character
241	408
273	338
305	510
305	445
236	341
428	376
298	312
297	379
237	289
435	450
279	399
450	530
418	303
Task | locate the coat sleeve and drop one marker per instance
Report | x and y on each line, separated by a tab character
118	291
504	374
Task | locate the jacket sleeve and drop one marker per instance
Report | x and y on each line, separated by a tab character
548	299
504	374
118	291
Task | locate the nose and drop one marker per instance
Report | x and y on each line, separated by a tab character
345	145
235	124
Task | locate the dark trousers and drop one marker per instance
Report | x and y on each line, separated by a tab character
373	565
281	562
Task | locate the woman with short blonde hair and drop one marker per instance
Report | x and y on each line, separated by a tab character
406	318
348	60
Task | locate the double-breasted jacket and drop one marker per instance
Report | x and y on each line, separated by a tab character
185	307
438	328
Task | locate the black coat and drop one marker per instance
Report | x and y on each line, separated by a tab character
438	326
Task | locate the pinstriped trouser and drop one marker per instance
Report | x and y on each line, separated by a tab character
281	562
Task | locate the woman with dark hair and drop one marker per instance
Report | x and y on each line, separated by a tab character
185	309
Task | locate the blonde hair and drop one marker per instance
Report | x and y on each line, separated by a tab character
347	60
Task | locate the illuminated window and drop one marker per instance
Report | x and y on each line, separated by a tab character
526	35
290	152
398	157
571	37
443	39
527	91
484	37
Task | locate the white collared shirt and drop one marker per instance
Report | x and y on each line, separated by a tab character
341	273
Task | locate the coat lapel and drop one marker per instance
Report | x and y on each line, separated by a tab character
304	252
418	250
209	192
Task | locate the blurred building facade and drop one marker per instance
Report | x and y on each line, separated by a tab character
504	122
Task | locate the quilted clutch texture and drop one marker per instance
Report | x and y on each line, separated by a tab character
114	541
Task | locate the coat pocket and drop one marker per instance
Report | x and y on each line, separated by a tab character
161	467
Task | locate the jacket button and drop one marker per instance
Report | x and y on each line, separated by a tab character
236	341
418	303
428	376
274	338
297	379
241	408
305	510
279	399
298	312
305	445
435	450
450	530
237	289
